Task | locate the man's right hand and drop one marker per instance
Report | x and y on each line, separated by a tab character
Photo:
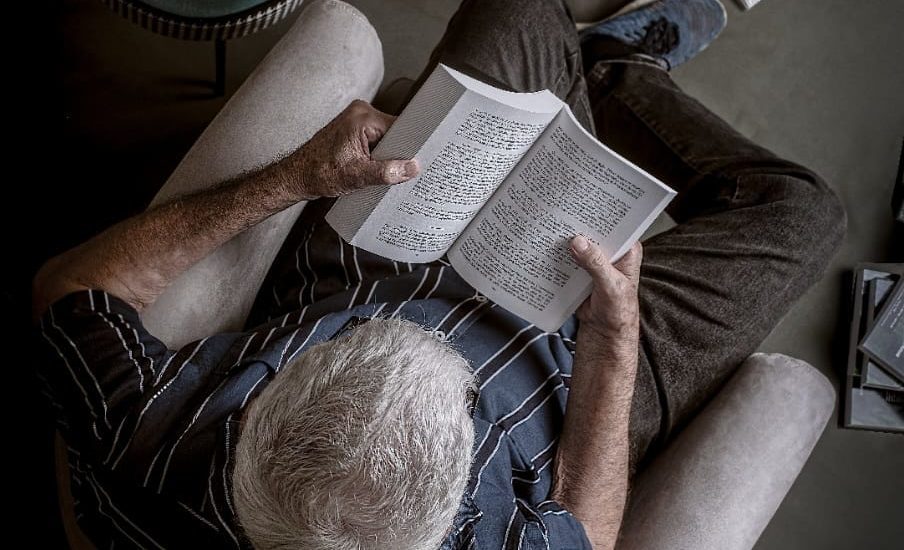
337	160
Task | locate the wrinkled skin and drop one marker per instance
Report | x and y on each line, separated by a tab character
337	160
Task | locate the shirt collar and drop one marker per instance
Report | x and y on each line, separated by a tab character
462	533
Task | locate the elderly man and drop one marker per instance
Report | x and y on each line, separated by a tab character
383	405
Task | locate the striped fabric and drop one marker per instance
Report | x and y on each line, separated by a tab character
152	431
220	28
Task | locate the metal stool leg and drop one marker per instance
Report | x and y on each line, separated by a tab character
219	86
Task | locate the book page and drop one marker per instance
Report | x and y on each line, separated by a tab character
463	161
516	249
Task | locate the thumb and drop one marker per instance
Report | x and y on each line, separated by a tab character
592	259
629	264
390	172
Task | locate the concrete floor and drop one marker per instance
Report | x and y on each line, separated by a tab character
819	81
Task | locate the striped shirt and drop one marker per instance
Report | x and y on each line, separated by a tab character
151	431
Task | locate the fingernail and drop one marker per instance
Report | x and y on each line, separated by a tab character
411	168
580	243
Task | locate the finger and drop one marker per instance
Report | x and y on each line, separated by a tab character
629	264
375	124
592	259
390	172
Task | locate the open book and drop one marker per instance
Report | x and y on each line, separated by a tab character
506	180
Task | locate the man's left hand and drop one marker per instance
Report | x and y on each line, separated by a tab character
337	160
612	310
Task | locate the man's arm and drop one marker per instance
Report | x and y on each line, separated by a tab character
591	472
137	259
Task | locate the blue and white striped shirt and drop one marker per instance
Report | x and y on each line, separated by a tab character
151	431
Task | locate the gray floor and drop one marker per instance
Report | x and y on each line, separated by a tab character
819	81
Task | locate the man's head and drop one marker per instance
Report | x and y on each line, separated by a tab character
362	442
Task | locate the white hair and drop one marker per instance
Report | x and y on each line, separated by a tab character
362	442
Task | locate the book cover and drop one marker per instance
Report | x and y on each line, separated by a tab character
884	341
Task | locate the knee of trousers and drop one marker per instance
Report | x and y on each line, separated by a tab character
812	205
539	16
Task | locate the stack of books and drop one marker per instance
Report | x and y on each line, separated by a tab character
875	370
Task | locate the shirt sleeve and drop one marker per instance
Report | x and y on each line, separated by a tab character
103	372
563	529
546	526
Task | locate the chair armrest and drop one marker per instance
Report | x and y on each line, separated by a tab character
717	485
330	56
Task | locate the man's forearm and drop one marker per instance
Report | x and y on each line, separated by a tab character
591	478
136	259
